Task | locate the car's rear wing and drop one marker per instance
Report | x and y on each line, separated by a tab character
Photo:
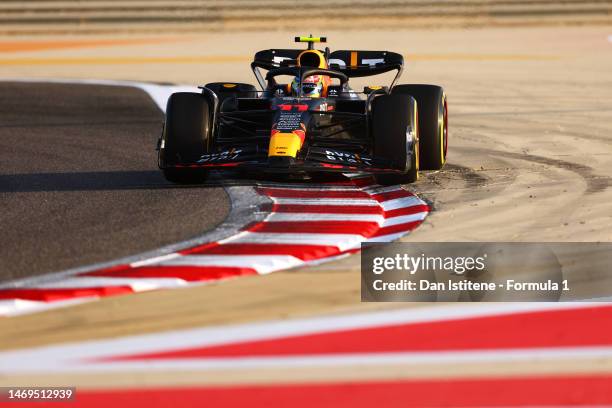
275	58
351	63
272	59
356	64
365	63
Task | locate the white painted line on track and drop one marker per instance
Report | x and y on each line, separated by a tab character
358	359
158	93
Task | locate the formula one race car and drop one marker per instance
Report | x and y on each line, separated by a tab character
313	123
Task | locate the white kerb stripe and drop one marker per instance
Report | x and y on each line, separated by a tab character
341	241
260	263
327	201
325	217
401	203
136	283
154	260
387	238
15	307
382	189
403	219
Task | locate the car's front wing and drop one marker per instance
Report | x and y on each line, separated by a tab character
315	160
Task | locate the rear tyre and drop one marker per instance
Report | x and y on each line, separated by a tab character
186	136
396	140
433	123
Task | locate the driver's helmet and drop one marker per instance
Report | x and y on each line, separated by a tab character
313	86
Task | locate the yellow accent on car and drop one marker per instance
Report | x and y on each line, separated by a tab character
417	144
442	126
375	87
229	85
309	39
321	58
284	144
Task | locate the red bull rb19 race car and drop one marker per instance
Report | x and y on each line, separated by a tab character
312	123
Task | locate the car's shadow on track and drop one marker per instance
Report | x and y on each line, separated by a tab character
125	180
81	181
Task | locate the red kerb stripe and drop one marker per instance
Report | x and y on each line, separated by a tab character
327	209
414	209
365	228
394	229
303	252
53	295
290	193
585	390
392	195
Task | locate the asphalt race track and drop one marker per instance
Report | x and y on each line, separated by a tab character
79	183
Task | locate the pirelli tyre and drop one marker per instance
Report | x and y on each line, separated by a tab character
394	127
186	136
433	123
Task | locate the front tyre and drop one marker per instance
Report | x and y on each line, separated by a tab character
433	123
186	137
396	137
